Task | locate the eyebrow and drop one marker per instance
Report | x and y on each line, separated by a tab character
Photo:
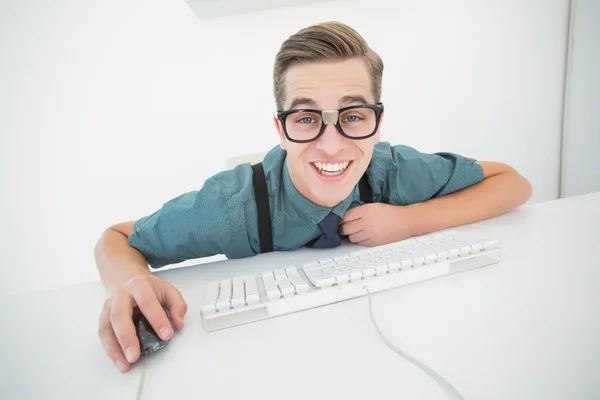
352	100
344	101
305	101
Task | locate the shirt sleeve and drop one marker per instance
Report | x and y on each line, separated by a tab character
192	225
403	175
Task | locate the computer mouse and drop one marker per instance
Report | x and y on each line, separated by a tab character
149	341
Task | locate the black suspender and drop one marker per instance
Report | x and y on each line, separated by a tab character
262	208
366	194
261	194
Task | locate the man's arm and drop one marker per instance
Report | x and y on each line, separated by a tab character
502	190
116	260
124	272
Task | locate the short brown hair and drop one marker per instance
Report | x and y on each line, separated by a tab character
328	41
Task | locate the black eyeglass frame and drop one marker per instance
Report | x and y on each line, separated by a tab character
326	118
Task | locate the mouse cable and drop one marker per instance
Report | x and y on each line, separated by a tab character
440	380
145	366
142	378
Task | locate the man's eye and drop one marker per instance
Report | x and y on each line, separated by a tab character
352	118
306	120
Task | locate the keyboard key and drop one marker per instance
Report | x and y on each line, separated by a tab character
368	272
271	288
273	292
394	266
430	258
279	274
224	302
252	296
300	287
381	269
465	250
320	279
327	261
358	253
237	298
344	268
453	254
299	284
343	278
310	264
287	289
268	278
325	282
356	276
442	255
281	280
212	294
312	267
341	258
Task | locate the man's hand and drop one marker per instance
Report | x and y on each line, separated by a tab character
375	224
501	190
150	294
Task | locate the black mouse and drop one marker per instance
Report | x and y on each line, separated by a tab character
149	341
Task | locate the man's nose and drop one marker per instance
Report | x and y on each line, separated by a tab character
331	141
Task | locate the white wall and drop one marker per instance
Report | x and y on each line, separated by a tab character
108	106
581	142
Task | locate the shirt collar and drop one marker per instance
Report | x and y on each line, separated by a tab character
306	207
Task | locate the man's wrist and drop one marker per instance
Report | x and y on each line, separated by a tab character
115	281
410	218
421	219
406	218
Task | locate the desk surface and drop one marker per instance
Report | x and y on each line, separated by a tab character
527	328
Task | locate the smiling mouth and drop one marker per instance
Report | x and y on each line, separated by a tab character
328	169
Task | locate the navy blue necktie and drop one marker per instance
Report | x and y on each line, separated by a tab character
329	237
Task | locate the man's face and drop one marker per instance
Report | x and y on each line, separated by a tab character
327	86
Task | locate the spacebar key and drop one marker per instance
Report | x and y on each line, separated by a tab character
384	282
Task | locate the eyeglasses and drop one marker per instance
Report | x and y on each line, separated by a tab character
353	122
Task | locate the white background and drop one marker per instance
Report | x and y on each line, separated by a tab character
108	107
581	145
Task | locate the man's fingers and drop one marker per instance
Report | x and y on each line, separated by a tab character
352	227
109	341
147	301
352	214
176	305
358	237
368	243
121	314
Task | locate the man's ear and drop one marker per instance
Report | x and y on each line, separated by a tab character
279	129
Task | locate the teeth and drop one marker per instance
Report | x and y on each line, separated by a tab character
331	169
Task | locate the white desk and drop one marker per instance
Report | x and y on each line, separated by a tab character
527	328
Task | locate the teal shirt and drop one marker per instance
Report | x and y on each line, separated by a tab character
220	217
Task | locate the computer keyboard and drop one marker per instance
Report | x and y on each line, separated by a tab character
292	288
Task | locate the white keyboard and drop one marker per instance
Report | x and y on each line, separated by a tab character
293	288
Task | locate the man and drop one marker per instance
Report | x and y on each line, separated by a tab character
327	85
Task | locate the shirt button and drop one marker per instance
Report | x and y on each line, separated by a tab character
138	230
314	221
